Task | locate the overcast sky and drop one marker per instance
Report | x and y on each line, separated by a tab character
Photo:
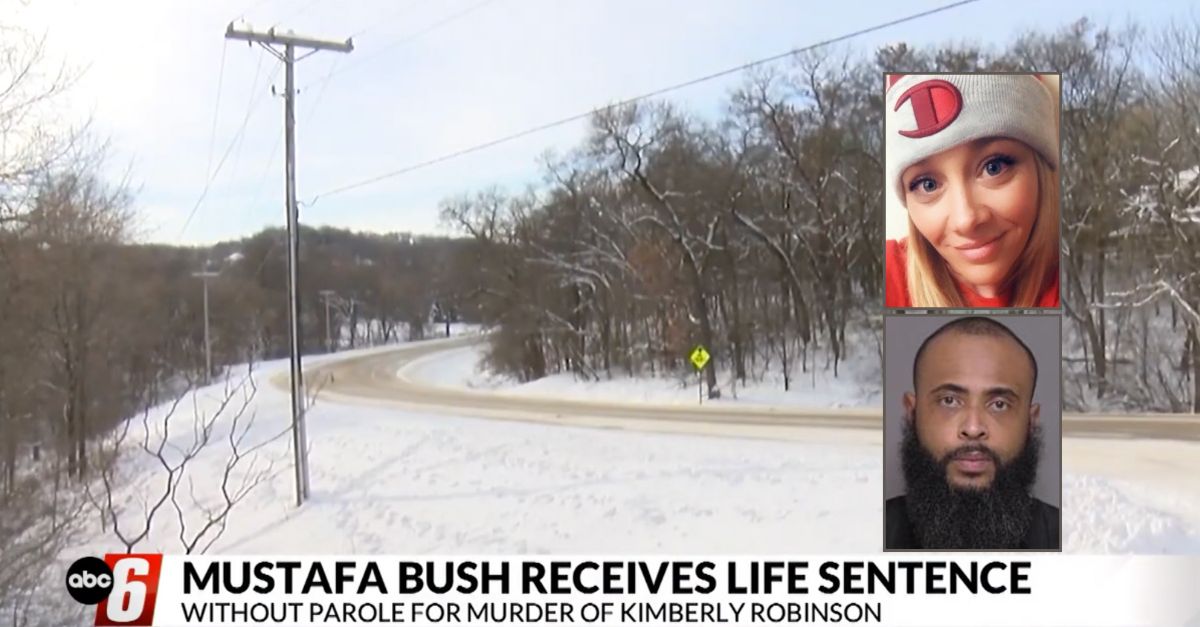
426	78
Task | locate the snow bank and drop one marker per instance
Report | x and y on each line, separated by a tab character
461	368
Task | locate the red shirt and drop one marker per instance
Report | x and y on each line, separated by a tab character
896	291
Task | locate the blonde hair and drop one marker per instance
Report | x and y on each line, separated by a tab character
931	285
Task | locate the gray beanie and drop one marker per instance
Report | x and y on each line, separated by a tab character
928	113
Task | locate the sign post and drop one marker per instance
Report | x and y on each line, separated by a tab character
699	358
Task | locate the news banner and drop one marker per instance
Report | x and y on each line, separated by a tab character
156	589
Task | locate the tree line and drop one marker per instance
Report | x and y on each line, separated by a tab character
759	235
99	329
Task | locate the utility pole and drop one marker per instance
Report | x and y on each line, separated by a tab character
205	276
353	320
289	41
326	295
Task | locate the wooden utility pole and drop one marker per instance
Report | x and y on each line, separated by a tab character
205	276
270	40
328	294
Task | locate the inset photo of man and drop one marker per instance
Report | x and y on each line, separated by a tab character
972	433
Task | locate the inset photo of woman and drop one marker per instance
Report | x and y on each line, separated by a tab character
972	167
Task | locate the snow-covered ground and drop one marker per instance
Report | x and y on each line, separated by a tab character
1149	503
407	482
856	386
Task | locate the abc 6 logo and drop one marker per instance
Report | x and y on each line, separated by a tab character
122	586
89	580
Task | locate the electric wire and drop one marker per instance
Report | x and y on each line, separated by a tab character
652	94
212	134
250	109
409	38
294	14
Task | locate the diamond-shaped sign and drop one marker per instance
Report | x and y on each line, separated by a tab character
699	357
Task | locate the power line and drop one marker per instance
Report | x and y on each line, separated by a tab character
253	105
286	15
269	164
270	161
403	40
296	13
255	6
385	18
651	94
212	134
321	93
323	83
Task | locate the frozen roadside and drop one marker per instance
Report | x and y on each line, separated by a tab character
460	368
1142	486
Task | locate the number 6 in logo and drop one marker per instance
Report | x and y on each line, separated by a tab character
135	587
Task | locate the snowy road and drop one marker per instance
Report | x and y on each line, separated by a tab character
401	467
382	377
378	379
1131	483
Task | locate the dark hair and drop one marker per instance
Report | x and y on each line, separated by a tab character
979	326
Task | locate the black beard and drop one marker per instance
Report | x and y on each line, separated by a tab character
947	517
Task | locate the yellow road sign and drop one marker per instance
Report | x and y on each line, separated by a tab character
699	357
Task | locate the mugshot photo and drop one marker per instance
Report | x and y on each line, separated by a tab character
972	432
972	199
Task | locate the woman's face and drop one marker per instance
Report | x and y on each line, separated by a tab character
976	204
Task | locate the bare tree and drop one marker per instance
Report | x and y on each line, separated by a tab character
73	227
173	453
659	155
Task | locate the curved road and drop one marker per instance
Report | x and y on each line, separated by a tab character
376	379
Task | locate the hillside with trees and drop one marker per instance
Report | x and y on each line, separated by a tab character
759	234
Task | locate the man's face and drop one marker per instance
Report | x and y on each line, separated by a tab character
973	397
